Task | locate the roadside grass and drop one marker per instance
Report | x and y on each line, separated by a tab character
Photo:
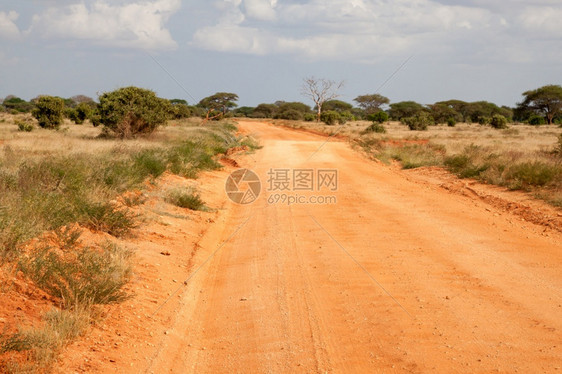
36	349
55	183
39	193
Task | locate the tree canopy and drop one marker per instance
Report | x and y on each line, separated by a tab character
337	106
545	101
221	102
371	104
405	109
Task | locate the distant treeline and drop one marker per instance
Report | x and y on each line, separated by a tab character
539	106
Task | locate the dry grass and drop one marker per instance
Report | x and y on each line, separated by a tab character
52	179
518	137
520	157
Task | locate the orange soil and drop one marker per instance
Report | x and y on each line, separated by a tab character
408	272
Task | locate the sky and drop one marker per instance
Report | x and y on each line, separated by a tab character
421	50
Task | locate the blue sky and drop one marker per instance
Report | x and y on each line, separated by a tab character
262	49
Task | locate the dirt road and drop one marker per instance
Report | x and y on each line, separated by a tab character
395	276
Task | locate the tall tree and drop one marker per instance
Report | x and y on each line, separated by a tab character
545	101
371	104
220	102
320	90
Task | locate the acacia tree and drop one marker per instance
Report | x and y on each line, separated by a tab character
371	104
546	101
320	91
219	103
405	109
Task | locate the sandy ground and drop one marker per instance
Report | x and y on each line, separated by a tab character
405	273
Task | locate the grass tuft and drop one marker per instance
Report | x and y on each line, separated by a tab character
186	199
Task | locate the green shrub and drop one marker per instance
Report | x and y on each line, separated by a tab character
536	120
451	122
483	120
464	166
180	110
24	126
309	117
81	113
345	116
534	173
186	199
330	117
49	112
419	122
498	121
131	111
290	114
375	127
379	117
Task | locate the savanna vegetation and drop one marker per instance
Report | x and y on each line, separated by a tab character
71	172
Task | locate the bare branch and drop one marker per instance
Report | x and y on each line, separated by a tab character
320	91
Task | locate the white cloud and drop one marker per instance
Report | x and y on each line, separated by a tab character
8	27
543	21
263	10
139	24
369	29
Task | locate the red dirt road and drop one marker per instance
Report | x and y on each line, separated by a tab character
396	277
403	274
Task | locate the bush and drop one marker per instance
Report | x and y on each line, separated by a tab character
536	120
24	125
375	127
309	117
346	116
419	122
483	120
379	117
81	113
49	112
534	173
498	121
130	111
451	122
330	117
179	111
290	114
